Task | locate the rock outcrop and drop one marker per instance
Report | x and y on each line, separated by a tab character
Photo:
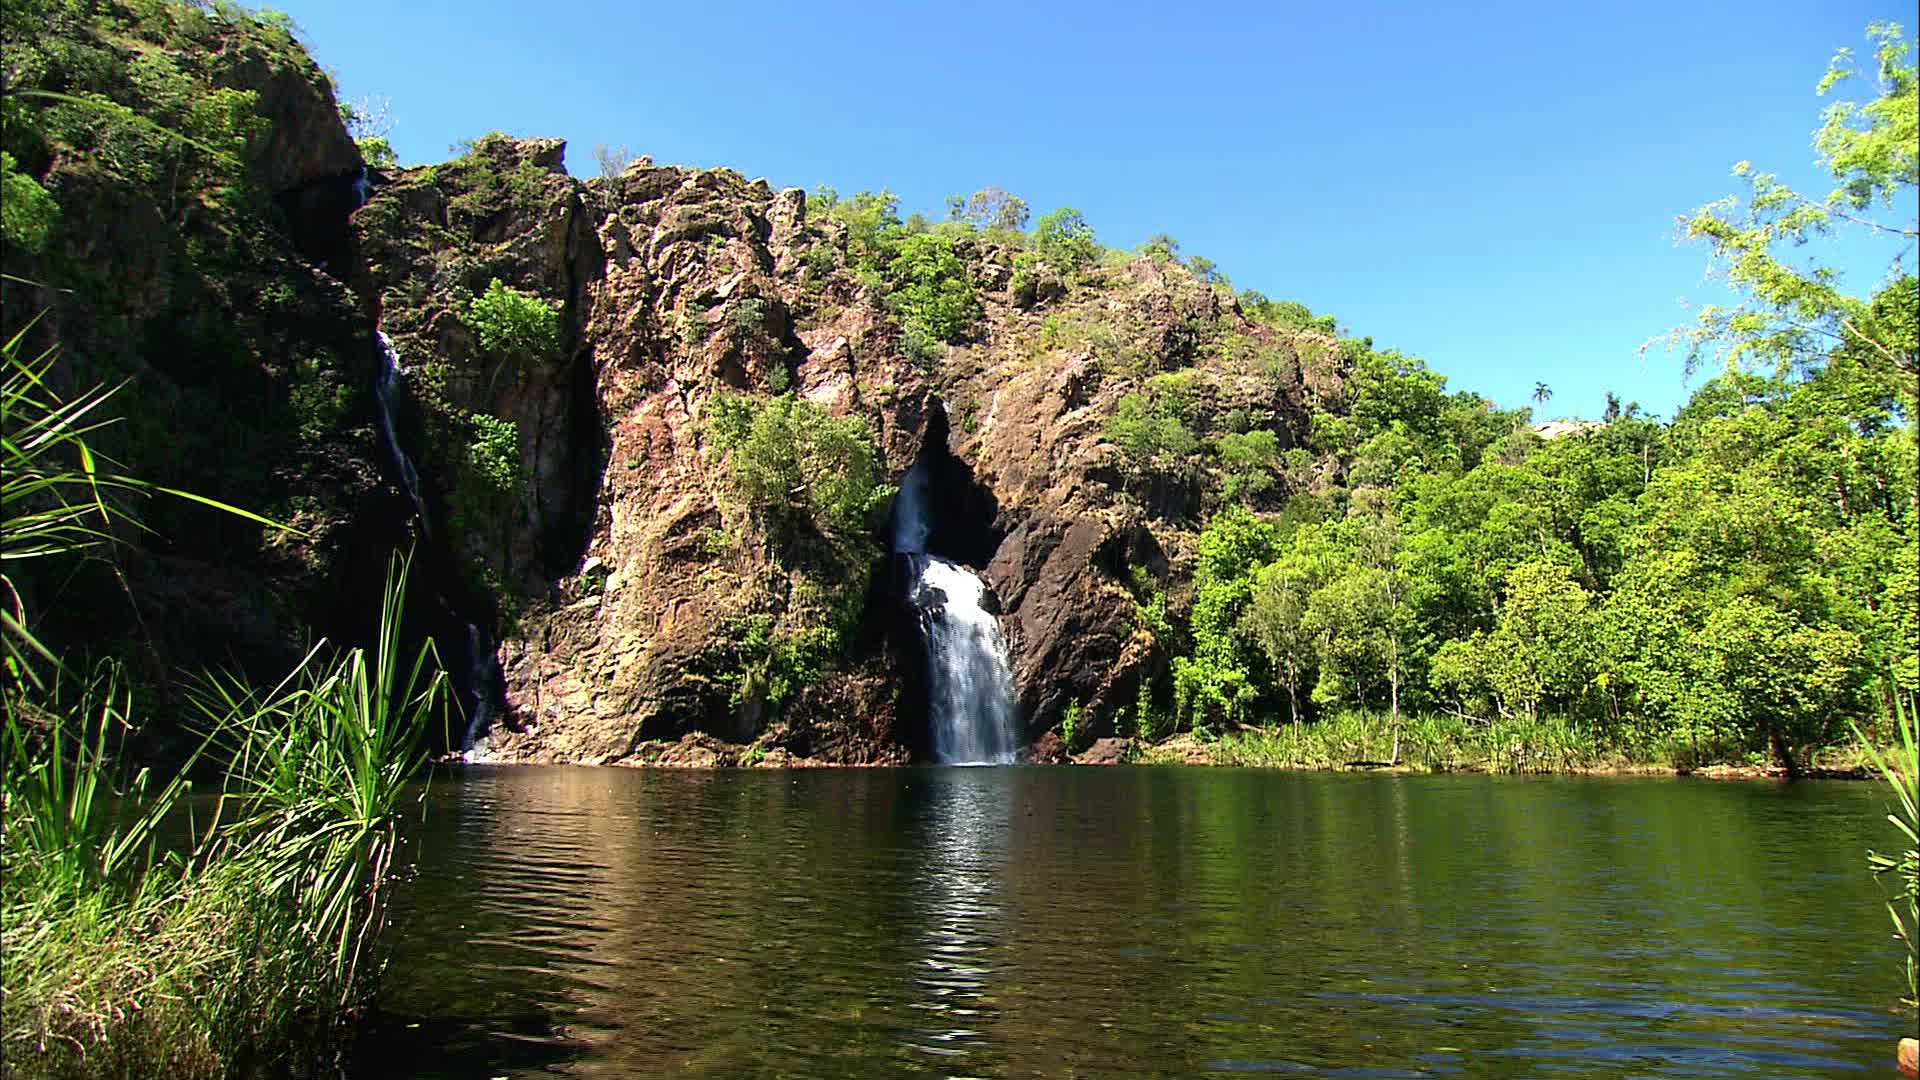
683	284
629	590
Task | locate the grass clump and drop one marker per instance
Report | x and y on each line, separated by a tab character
136	940
248	942
1899	768
1430	742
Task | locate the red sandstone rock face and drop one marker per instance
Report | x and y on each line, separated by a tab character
681	284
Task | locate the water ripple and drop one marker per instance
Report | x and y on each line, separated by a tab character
1030	922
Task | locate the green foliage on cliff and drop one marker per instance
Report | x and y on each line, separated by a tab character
796	467
814	483
1285	313
1150	429
931	292
131	88
515	326
27	212
1064	239
494	455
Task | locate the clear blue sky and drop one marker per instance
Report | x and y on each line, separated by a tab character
1491	187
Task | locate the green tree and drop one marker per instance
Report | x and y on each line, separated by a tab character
792	464
1162	247
1364	614
1793	311
991	209
872	220
1537	653
1064	239
1278	616
1217	679
1249	460
931	291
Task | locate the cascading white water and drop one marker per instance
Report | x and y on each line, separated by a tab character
483	668
482	665
386	389
970	693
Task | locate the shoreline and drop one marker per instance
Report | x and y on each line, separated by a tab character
699	751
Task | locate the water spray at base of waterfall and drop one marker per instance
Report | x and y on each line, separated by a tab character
483	672
970	700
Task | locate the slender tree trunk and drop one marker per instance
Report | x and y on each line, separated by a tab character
1782	754
1393	682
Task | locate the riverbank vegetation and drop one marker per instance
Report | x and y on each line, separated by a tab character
1899	768
217	916
1730	585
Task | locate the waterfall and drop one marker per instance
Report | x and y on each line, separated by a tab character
386	390
483	675
970	683
476	675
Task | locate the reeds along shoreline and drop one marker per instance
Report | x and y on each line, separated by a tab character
1444	742
246	949
250	948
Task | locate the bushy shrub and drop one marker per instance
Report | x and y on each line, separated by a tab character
790	461
873	224
1161	248
1249	460
1146	429
321	402
1064	239
1289	314
27	212
931	292
494	455
513	325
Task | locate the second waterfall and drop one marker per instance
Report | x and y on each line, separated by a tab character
970	702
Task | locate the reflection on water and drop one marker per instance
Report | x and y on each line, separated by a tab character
1046	922
964	841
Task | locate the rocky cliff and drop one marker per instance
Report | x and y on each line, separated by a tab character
681	284
628	587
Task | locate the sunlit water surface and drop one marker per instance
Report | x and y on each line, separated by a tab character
1108	922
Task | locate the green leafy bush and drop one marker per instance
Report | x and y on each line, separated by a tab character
1064	239
791	463
1070	725
931	292
873	224
321	402
1149	430
27	212
494	455
1250	460
513	325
